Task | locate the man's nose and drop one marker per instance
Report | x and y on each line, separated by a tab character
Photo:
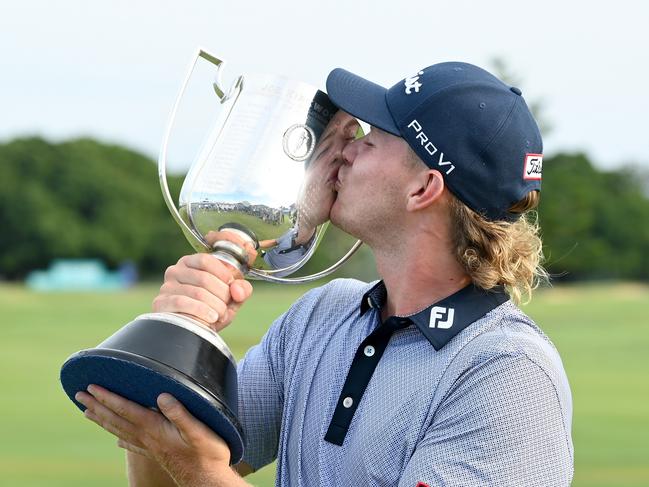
349	152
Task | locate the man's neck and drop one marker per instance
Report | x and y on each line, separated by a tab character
414	282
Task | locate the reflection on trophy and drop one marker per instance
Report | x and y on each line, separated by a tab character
261	173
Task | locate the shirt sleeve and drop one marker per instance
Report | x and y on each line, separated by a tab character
261	397
501	424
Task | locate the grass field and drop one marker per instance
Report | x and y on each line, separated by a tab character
602	332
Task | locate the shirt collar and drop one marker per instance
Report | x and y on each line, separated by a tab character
442	320
374	298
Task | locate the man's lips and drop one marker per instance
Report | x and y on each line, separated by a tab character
334	179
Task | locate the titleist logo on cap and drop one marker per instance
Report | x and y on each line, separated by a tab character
412	83
533	166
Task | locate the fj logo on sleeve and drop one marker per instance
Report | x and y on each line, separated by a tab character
441	317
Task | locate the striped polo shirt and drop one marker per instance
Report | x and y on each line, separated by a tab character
468	391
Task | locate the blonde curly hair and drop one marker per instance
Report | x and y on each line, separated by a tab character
499	252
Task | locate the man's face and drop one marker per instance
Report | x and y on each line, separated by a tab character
318	192
371	186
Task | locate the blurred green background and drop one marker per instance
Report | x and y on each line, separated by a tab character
601	331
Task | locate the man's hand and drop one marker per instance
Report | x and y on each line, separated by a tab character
317	194
205	287
188	450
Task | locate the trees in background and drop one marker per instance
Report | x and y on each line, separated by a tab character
595	224
83	198
79	199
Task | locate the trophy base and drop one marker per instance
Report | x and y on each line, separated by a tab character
137	363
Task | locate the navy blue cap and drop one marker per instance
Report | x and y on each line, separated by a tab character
461	120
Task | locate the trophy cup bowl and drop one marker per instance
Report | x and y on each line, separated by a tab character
254	177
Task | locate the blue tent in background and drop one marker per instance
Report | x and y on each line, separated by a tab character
81	275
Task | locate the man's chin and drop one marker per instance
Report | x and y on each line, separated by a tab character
334	214
337	220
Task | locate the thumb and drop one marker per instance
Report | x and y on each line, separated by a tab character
240	290
176	413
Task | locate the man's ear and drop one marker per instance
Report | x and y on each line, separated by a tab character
427	187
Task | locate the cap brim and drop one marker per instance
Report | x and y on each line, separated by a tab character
361	98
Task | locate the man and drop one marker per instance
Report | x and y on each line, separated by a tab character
431	376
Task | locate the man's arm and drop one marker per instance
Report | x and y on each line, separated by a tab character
502	424
145	472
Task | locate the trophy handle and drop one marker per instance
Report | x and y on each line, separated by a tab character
197	240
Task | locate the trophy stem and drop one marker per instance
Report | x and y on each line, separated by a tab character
234	254
231	254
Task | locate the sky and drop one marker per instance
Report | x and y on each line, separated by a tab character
112	69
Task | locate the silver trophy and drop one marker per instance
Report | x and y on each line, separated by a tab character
258	174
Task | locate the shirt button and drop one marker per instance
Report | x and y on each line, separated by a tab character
369	351
347	402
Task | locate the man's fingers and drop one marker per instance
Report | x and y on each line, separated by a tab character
171	289
128	410
209	264
106	418
216	316
202	270
226	319
241	290
201	286
110	424
185	305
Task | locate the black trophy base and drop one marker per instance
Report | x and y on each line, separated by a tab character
150	356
